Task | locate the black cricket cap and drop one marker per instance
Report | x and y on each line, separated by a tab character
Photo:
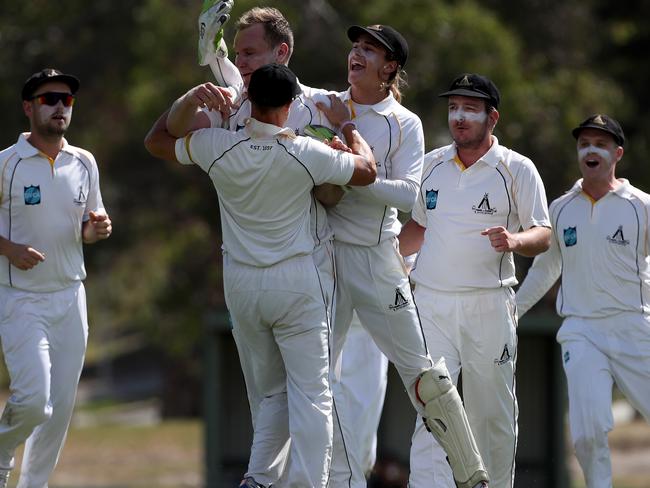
387	37
46	75
273	85
474	85
602	122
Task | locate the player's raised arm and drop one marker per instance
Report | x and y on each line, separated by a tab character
186	112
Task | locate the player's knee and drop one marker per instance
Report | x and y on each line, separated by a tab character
33	410
445	418
434	383
587	446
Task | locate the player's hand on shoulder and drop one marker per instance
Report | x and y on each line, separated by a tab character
336	112
210	96
337	143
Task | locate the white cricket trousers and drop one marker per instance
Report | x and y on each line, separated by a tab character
475	332
280	325
372	281
363	378
596	354
44	338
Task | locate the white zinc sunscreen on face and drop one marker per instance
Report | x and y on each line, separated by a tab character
462	115
583	152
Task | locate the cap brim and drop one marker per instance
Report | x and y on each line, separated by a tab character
576	132
30	88
464	93
71	81
356	30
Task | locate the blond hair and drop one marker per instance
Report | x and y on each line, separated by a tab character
396	83
276	27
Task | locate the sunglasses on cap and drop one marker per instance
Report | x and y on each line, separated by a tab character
52	98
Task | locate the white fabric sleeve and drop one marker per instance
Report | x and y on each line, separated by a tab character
400	188
419	214
214	116
201	147
227	75
544	272
326	165
393	193
530	195
94	201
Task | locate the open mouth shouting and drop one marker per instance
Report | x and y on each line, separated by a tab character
592	155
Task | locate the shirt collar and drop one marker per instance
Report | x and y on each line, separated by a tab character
25	149
492	157
384	107
624	190
262	130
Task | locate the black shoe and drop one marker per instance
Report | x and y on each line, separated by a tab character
249	482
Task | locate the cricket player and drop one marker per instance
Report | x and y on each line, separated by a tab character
479	203
599	248
263	35
264	175
371	275
50	205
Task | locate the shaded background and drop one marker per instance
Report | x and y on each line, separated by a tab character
155	286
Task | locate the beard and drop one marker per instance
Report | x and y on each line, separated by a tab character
475	141
48	127
52	130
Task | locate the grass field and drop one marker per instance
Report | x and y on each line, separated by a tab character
114	456
170	454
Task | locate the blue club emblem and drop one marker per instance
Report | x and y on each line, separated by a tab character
570	236
432	199
32	195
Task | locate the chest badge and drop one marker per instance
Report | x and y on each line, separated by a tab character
618	238
484	206
32	195
432	199
570	236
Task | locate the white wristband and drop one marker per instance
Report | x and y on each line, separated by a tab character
347	122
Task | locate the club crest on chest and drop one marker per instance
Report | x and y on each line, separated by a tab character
484	206
431	199
570	236
32	195
618	238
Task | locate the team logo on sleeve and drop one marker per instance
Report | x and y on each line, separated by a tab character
618	238
570	236
484	206
32	195
432	199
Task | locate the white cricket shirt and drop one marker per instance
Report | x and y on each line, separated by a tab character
368	215
43	204
502	188
601	250
303	112
264	175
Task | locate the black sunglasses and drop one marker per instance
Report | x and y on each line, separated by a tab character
52	98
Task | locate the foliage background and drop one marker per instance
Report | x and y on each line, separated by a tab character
155	282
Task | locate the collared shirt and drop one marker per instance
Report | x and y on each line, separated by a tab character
368	215
264	175
303	112
43	203
502	188
601	250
